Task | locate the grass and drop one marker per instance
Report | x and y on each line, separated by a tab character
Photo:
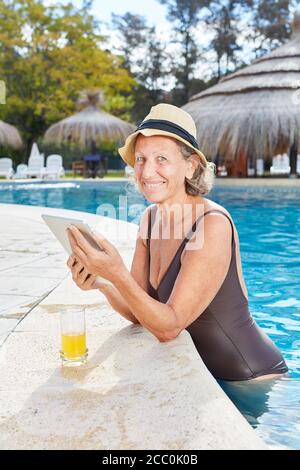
69	175
110	175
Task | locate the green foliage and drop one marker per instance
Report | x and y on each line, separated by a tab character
50	54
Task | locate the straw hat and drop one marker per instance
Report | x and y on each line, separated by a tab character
168	120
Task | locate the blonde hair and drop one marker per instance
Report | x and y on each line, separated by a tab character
203	178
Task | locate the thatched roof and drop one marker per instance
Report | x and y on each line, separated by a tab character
9	136
255	110
91	123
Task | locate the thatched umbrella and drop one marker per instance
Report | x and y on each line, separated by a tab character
90	125
9	136
256	111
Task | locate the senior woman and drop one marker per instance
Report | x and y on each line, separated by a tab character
193	281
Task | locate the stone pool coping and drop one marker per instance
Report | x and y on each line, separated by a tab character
134	392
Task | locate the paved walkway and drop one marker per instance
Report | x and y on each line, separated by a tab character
134	392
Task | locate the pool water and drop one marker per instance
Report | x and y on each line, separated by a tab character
268	223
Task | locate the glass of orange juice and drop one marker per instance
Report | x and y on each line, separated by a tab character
73	337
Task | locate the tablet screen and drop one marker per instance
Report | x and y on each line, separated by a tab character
58	226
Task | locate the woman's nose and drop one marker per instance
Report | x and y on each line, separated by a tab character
149	169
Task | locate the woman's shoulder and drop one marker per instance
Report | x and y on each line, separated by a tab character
221	225
212	205
224	225
215	232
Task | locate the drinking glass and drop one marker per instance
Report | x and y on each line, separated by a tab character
73	337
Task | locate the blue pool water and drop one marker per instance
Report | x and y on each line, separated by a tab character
268	223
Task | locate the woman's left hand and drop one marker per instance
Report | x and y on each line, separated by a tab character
105	262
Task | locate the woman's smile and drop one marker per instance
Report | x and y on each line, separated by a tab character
153	184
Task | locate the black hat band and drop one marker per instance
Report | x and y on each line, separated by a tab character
169	126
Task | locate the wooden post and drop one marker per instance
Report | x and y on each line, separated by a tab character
250	166
293	160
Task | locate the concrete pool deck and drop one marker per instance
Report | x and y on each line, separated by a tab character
134	392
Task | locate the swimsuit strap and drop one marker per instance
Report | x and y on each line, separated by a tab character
193	229
150	225
184	241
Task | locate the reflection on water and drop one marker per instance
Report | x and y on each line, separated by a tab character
250	397
271	406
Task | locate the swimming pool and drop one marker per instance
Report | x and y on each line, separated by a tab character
268	222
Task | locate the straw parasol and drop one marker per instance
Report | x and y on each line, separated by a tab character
253	112
91	124
9	136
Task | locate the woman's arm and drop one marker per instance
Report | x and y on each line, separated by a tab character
160	319
201	276
117	302
87	281
139	272
127	295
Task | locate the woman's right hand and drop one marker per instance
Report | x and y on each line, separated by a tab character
80	276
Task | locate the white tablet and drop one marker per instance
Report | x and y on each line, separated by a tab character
58	226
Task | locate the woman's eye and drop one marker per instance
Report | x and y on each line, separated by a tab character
139	159
161	158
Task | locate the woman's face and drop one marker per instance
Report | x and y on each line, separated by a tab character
160	168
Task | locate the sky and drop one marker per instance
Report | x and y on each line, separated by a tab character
151	9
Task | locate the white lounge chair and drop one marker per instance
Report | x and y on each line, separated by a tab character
298	165
34	151
6	167
21	172
35	166
54	167
280	165
260	164
221	170
250	171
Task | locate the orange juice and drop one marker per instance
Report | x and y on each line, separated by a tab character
73	345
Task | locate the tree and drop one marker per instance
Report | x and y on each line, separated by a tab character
271	24
185	16
223	21
145	57
153	67
133	30
47	56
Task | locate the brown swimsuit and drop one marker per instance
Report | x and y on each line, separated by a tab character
226	336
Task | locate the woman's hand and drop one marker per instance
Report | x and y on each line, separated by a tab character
80	276
105	262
